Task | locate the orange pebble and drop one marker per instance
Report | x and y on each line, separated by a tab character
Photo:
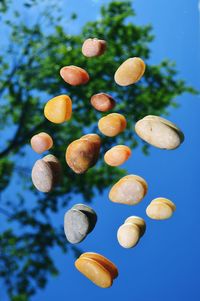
112	124
117	155
74	75
58	109
41	142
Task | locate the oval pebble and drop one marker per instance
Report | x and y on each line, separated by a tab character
74	75
42	176
117	155
76	226
129	190
112	124
159	132
130	71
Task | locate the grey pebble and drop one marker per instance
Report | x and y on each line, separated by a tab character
76	225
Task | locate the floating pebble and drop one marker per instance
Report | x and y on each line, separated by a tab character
159	132
112	124
83	153
41	142
129	190
79	221
93	47
46	173
74	75
160	208
97	268
58	109
130	232
130	71
117	155
102	102
42	176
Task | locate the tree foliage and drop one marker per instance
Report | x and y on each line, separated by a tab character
29	72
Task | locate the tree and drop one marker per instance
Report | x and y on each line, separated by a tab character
29	77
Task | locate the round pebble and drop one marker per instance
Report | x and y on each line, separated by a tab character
130	71
74	75
160	209
41	142
112	124
129	190
138	221
117	155
58	109
159	132
93	47
102	102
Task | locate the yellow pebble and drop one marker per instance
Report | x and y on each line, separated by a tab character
130	71
58	109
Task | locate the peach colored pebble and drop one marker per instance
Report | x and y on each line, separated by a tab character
74	75
129	190
93	47
102	102
58	109
130	71
112	124
117	155
41	142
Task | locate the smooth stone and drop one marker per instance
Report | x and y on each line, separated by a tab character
42	176
159	132
76	226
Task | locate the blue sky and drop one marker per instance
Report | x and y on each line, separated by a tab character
165	264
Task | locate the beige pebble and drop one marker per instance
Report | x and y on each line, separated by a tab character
102	102
129	190
93	47
130	71
112	124
42	176
128	235
160	208
74	75
117	155
41	142
159	132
